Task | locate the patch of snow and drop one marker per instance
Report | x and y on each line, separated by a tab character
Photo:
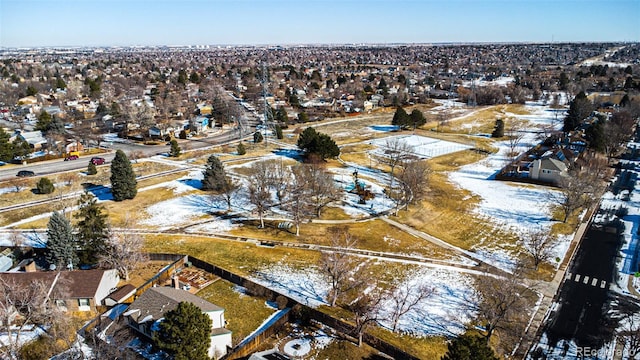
444	312
305	286
423	147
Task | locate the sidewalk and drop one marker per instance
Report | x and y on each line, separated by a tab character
549	292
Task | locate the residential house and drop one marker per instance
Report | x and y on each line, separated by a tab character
273	354
147	311
199	124
122	295
79	290
548	169
35	138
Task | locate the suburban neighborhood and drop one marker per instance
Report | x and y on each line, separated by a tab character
354	201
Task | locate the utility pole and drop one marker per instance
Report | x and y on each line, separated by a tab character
267	116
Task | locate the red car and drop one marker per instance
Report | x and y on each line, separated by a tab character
97	160
71	157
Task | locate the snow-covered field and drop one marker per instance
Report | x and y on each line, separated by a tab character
511	206
443	313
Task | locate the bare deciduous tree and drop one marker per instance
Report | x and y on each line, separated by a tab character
21	305
18	184
405	298
628	330
617	131
228	191
515	133
259	194
578	189
279	177
297	202
414	176
338	267
319	186
123	252
498	309
538	244
396	151
366	309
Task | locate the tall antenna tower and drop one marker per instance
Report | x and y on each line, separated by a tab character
472	98
267	120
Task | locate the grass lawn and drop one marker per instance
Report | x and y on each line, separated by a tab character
243	312
446	211
375	235
239	257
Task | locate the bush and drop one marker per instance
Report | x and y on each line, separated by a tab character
182	135
257	137
175	148
45	186
91	169
241	149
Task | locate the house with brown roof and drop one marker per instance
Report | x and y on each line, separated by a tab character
147	311
79	290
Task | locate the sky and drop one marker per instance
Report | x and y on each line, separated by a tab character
33	23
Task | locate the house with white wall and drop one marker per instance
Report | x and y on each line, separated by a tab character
148	310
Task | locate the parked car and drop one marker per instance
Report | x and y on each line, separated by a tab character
25	173
97	160
71	157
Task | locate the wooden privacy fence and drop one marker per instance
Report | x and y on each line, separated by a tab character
328	320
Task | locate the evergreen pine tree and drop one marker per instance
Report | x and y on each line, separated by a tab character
184	333
213	175
45	186
469	347
61	243
241	149
93	230
44	120
279	134
6	147
175	148
257	137
579	109
21	148
400	118
313	142
417	119
123	179
595	135
307	138
498	129
91	169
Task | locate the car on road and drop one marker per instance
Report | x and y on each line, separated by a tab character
25	173
71	157
97	160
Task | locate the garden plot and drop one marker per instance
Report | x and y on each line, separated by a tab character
421	146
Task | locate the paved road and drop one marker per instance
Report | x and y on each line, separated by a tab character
9	171
584	296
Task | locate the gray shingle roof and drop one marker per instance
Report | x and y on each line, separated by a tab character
158	300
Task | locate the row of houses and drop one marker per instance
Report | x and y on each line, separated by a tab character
97	289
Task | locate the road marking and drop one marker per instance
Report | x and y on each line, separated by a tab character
577	279
594	282
602	284
586	280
